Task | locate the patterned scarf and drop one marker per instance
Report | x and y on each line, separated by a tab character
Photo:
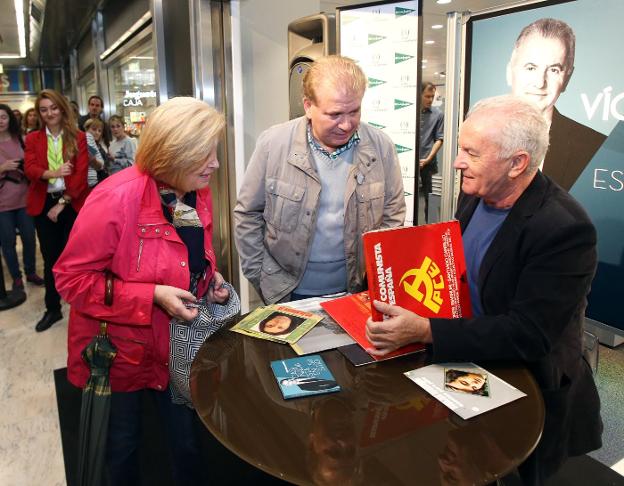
182	215
55	154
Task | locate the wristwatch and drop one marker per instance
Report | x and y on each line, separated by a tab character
62	201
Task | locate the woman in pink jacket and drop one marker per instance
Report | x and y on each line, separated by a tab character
151	226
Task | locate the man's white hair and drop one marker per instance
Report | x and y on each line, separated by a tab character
522	126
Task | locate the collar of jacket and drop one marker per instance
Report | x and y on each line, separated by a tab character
364	157
527	204
151	207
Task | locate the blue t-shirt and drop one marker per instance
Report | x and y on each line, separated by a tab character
481	230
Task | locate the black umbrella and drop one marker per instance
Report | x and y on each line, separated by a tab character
96	401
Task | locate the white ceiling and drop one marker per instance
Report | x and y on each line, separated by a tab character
9	40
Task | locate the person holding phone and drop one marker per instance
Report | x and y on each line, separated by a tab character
13	188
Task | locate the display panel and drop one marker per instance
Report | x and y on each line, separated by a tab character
577	79
383	39
133	86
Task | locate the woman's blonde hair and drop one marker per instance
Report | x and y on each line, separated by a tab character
177	138
68	122
94	122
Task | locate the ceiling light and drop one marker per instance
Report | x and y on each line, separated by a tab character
429	42
424	60
437	26
442	2
21	31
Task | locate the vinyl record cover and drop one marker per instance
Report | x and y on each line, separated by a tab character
465	388
303	376
351	312
327	334
420	268
277	323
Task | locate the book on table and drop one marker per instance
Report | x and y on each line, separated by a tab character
465	388
420	268
304	376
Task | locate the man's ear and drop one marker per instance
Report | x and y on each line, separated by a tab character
567	80
519	164
307	104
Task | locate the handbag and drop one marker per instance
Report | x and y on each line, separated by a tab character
186	337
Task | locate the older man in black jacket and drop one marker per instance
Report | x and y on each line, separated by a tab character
531	256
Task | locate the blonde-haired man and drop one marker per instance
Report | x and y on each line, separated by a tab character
312	187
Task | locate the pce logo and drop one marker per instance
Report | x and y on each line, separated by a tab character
426	284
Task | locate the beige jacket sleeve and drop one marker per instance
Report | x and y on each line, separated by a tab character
249	224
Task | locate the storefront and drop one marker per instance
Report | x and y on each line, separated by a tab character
132	82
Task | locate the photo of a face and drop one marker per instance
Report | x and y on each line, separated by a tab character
278	324
466	382
537	70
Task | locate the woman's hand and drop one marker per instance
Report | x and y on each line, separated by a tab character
171	300
65	169
95	163
54	212
216	291
9	165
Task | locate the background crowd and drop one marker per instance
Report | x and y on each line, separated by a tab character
51	158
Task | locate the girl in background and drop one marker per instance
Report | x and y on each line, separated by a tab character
122	148
30	122
98	155
13	189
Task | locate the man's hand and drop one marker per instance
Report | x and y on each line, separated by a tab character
170	299
216	291
423	162
403	327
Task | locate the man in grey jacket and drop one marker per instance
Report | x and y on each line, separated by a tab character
312	187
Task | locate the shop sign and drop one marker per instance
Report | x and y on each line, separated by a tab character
134	98
20	81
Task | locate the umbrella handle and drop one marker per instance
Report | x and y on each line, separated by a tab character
108	299
108	289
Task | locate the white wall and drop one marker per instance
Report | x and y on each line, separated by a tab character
264	62
260	79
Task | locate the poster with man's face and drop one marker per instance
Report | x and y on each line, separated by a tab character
565	57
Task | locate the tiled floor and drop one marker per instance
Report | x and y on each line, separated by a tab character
30	444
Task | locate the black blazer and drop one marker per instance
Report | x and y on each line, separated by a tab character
572	146
533	284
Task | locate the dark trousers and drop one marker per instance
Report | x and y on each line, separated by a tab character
180	424
52	240
426	173
9	220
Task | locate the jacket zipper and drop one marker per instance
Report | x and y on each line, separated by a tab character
139	257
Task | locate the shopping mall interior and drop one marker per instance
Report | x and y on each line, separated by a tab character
247	58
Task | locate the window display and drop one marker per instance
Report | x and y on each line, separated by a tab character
133	86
